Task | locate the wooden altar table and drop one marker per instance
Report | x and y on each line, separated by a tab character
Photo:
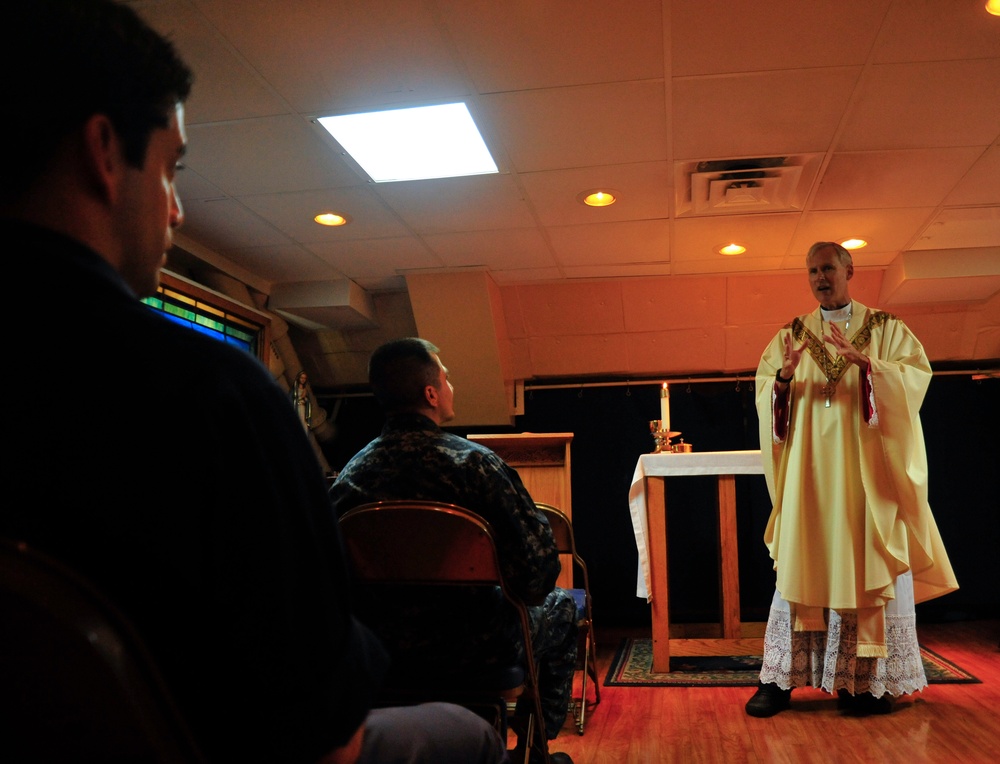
647	502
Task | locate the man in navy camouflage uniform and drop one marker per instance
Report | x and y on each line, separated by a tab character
414	458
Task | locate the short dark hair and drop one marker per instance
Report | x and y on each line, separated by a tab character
400	370
66	60
843	254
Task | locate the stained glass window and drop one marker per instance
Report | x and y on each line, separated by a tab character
206	318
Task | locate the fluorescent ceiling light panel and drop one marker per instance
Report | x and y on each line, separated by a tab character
412	144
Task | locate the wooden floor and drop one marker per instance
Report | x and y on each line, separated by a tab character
944	723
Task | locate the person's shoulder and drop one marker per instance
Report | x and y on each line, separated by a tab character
485	459
471	448
879	317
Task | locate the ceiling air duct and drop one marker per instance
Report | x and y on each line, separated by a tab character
741	186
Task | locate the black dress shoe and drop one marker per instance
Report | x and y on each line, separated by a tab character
867	704
768	700
845	699
554	758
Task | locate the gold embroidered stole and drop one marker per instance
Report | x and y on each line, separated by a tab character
833	368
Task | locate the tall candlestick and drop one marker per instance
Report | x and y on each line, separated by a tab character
665	407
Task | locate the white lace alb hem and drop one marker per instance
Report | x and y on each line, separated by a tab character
829	659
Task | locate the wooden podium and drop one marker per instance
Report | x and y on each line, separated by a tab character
542	459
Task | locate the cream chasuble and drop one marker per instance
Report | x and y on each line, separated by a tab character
848	482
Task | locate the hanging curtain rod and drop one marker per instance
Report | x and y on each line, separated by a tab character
976	374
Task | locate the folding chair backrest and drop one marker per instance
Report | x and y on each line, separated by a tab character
420	543
562	529
76	682
423	542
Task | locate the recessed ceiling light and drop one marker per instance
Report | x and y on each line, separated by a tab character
413	144
731	249
993	6
332	219
853	243
598	197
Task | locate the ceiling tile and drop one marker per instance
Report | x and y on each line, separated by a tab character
281	264
914	178
580	126
719	36
293	213
940	103
562	44
375	258
760	113
225	225
981	184
962	227
225	87
503	249
324	56
266	155
937	30
643	191
883	229
629	242
476	203
767	236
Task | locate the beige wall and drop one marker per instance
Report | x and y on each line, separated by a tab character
695	325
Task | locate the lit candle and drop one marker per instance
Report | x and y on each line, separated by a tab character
665	407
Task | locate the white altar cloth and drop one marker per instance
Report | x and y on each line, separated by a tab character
668	465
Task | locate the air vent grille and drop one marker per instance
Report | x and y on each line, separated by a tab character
741	186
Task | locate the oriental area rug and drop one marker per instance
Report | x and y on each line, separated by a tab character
633	663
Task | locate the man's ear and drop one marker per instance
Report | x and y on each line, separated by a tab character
850	272
103	157
431	396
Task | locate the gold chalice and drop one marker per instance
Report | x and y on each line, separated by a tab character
661	437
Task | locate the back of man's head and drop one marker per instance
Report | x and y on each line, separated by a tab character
400	370
66	60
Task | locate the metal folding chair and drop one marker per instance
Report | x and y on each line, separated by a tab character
562	530
422	543
76	681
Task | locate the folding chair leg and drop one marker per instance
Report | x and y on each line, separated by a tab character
592	670
589	671
528	726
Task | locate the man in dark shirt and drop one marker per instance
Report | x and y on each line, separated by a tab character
414	458
178	479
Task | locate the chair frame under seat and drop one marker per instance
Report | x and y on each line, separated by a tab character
421	543
562	531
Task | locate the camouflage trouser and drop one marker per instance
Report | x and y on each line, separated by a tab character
553	643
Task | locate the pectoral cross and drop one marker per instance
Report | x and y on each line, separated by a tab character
828	390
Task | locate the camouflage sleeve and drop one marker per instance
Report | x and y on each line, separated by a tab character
527	548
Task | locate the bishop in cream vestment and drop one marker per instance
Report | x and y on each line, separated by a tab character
851	533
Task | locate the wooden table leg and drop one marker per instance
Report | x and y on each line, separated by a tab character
656	518
729	565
